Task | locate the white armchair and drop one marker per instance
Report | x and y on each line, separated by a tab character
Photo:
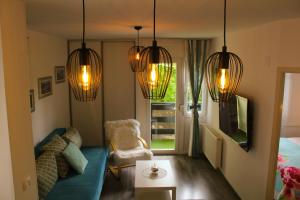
126	145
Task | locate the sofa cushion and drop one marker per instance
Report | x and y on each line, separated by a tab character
46	170
72	135
63	166
87	186
38	148
57	145
76	159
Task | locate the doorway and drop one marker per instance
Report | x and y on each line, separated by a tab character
172	139
284	165
163	118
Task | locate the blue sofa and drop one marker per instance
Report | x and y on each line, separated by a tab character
87	186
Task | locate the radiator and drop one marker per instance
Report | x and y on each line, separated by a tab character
212	146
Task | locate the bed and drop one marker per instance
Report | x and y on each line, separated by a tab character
287	185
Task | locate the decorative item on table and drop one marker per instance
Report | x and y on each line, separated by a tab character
154	172
60	74
31	100
45	86
154	168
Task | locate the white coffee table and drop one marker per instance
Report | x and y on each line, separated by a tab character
154	188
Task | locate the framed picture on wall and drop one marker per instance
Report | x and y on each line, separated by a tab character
45	86
31	99
60	74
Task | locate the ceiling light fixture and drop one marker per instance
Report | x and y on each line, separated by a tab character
223	72
134	53
156	65
84	70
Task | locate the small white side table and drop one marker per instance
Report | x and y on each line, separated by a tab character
160	188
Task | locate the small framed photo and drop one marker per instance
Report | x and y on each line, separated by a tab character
45	86
31	99
60	74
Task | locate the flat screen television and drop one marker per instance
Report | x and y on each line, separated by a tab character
235	120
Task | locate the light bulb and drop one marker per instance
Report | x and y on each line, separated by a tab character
222	80
137	56
85	77
153	75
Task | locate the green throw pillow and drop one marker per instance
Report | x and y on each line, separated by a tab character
75	158
57	145
72	135
46	171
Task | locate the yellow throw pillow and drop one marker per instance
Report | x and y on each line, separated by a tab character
72	135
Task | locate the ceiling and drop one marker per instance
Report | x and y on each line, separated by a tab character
175	18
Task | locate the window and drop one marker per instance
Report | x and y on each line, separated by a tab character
171	91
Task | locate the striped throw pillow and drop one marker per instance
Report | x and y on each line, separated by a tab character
46	170
57	145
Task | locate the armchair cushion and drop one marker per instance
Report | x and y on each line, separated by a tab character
129	157
112	126
126	146
125	138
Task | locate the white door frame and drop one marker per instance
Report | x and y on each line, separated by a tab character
281	71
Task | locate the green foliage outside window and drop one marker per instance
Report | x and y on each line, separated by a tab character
171	91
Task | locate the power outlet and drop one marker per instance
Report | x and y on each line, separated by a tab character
26	183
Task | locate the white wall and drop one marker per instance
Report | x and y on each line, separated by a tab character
6	177
46	52
290	125
16	78
119	97
262	49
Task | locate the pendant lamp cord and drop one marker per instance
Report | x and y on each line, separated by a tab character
138	34
83	22
154	8
224	22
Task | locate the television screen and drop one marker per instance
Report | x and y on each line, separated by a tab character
234	120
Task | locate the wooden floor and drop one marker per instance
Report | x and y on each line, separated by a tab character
196	180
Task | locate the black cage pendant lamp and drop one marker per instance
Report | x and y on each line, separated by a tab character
134	53
156	65
84	70
223	72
